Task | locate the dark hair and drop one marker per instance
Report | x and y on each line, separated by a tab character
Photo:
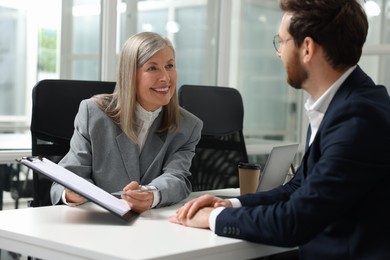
339	26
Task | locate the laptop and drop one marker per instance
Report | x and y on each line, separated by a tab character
276	167
274	173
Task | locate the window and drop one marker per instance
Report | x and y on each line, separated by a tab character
192	28
218	42
81	40
271	106
12	58
28	52
376	52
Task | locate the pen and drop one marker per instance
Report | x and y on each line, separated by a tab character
146	190
118	193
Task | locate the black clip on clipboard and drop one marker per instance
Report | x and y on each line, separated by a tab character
88	190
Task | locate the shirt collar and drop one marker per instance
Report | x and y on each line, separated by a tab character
321	104
316	109
144	115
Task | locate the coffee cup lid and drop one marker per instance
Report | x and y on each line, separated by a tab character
246	165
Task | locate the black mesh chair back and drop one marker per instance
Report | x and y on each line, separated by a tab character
54	106
222	145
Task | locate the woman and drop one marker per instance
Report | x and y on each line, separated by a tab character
136	138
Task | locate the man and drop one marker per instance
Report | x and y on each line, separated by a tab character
337	205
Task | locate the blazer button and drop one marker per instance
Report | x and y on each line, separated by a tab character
224	230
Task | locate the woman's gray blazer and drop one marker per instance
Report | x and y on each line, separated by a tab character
101	153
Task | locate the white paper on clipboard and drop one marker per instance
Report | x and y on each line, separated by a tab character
80	185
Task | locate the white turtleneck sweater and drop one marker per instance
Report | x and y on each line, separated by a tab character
144	121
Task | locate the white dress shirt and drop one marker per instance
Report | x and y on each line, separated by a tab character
315	111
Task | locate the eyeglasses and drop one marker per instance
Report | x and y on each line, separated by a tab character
277	41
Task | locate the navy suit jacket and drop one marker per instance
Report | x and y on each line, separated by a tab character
338	204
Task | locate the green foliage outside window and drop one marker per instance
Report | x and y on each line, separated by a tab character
47	50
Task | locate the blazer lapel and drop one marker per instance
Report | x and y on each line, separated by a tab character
334	107
130	156
343	92
152	146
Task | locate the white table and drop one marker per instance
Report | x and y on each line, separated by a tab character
90	232
10	156
14	146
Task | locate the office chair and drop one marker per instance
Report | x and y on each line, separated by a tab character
11	181
54	106
20	187
222	145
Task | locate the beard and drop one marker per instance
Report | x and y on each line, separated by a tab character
296	73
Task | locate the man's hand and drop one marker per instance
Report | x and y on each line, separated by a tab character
196	212
191	207
199	220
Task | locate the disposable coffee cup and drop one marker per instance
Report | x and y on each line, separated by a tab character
249	175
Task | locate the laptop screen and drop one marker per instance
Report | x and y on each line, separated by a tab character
276	168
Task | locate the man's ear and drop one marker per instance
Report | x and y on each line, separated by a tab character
308	49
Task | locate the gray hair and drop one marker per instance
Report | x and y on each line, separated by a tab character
120	106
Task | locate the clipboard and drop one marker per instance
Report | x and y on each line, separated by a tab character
88	190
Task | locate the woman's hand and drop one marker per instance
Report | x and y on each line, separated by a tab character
73	198
138	201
